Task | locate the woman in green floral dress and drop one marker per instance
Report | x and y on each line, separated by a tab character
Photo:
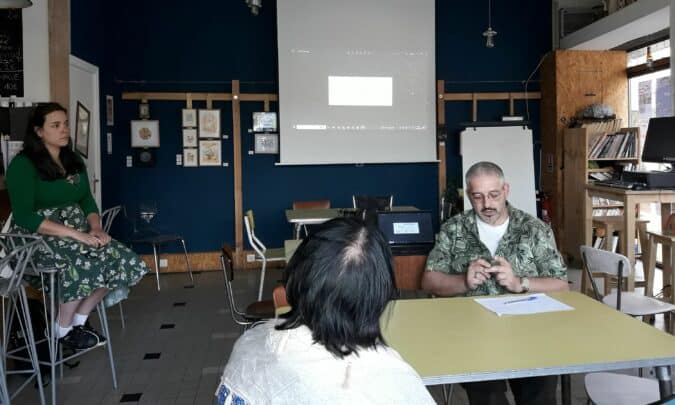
49	193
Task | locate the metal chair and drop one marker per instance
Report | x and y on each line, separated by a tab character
156	239
262	254
16	251
612	388
255	312
628	302
107	218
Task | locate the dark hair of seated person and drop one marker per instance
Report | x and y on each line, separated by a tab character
34	149
338	283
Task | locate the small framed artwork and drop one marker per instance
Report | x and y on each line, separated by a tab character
264	121
145	134
189	138
109	110
190	157
267	143
209	123
144	110
189	117
82	130
209	153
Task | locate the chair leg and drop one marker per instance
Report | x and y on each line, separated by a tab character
262	279
154	252
122	315
447	393
30	341
187	261
106	332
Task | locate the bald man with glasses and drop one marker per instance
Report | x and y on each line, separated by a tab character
496	249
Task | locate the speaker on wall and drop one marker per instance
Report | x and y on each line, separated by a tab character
145	158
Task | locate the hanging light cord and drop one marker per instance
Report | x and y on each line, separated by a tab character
489	13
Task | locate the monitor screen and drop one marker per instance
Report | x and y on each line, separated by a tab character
409	227
660	141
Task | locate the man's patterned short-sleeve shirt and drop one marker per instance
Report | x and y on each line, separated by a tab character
528	245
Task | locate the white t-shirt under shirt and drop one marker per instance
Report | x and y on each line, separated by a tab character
269	366
491	235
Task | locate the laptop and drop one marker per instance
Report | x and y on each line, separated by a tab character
407	232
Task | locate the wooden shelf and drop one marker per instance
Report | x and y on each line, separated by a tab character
609	206
630	160
601	170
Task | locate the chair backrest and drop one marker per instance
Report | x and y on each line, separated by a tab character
376	203
17	252
669	229
279	297
7	224
297	205
249	224
227	263
603	261
108	216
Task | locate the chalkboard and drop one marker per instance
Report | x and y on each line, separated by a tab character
11	53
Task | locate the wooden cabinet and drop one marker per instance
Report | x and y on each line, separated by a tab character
576	173
570	81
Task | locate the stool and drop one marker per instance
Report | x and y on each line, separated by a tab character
157	240
667	241
17	251
50	296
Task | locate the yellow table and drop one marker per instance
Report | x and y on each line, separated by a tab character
290	245
313	216
455	340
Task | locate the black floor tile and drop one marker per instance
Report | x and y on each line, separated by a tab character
151	356
168	326
131	397
179	304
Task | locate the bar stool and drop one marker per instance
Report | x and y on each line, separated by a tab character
16	251
50	293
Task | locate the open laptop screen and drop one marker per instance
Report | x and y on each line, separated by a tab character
405	228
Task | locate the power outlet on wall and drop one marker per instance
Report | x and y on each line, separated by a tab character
250	258
163	263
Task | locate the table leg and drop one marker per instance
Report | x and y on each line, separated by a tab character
649	265
665	383
565	389
588	236
628	242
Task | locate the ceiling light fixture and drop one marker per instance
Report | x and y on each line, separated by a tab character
15	3
490	34
254	5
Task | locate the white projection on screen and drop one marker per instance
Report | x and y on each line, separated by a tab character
356	81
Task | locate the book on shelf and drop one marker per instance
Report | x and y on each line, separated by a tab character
619	145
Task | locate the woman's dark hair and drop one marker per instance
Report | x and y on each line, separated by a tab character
338	283
35	150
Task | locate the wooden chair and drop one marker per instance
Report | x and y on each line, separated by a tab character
302	205
667	241
262	253
254	312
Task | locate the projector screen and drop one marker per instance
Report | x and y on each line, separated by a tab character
356	81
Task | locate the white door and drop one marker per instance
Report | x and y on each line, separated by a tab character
84	89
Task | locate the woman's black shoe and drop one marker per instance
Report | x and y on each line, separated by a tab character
80	339
87	327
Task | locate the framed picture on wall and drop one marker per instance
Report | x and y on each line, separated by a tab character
82	130
209	153
209	123
267	143
190	157
189	117
109	110
189	138
145	134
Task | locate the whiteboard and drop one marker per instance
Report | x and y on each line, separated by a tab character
510	148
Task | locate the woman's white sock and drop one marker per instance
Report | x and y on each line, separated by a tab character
61	331
79	319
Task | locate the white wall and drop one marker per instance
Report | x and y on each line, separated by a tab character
36	51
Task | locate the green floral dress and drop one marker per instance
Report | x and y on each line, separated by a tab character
82	268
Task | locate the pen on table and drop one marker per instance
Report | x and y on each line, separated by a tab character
530	298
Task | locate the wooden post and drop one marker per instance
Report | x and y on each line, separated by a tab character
59	51
188	100
236	159
474	107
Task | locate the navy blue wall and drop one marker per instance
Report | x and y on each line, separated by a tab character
154	45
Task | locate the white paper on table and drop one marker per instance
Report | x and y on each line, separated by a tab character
523	305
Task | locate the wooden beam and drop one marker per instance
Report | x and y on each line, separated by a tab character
236	159
174	96
534	95
59	51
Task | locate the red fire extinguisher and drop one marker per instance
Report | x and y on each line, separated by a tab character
546	208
